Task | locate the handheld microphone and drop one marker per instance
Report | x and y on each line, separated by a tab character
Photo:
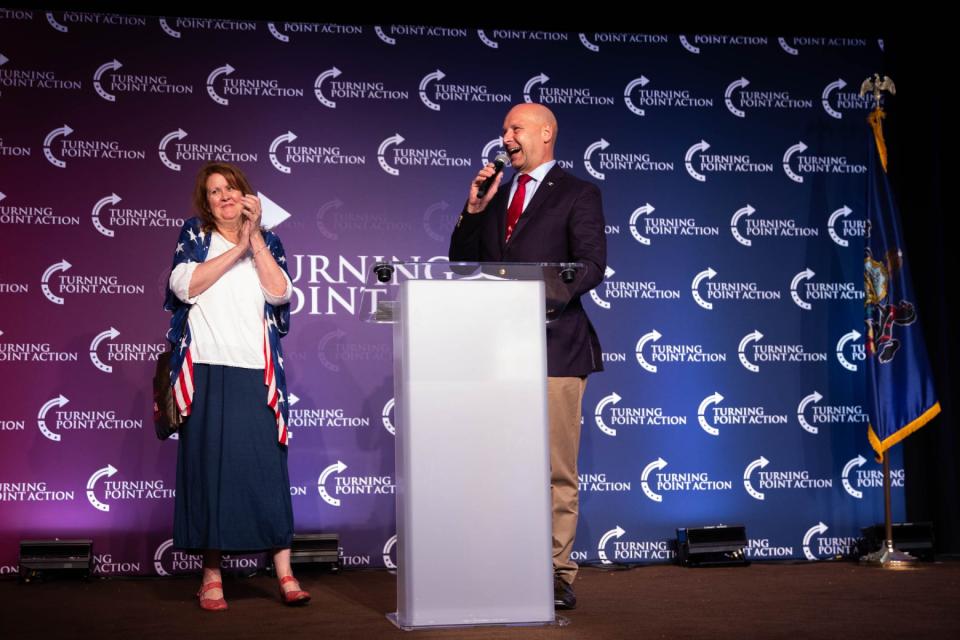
498	164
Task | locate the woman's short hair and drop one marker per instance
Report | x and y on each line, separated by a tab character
234	177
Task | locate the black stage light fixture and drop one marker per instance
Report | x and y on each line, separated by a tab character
41	558
316	549
712	546
915	538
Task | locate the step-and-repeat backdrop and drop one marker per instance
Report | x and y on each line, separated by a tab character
733	172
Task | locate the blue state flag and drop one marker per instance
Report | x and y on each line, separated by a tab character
901	396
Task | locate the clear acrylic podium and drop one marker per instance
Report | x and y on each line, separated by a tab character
472	456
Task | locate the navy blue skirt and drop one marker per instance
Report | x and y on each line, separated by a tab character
233	488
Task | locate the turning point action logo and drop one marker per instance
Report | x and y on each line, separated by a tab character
123	489
680	482
58	147
308	154
738	291
86	420
54	288
749	352
633	162
854	475
345	485
107	82
391	155
169	561
631	416
351	90
123	351
671	353
811	164
829	547
632	550
105	212
737	99
432	92
799	479
698	163
221	87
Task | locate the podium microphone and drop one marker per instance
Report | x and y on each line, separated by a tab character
498	164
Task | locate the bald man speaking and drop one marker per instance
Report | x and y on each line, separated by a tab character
544	214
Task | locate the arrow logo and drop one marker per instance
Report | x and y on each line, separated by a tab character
216	73
859	461
659	465
818	529
604	539
428	216
728	96
170	31
735	221
336	203
825	97
747	339
387	548
644	339
806	274
336	334
179	134
600	302
102	202
110	333
339	467
640	211
713	398
694	287
158	555
282	37
841	343
287	137
613	398
384	37
59	401
786	47
53	23
430	77
113	65
332	72
385	415
496	143
542	78
760	463
832	220
382	149
802	407
800	147
600	144
700	147
642	81
63	265
65	130
108	471
589	45
689	47
487	41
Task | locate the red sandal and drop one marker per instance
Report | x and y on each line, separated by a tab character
211	604
294	597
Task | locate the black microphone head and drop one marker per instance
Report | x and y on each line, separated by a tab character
501	160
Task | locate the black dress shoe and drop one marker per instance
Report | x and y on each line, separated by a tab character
563	596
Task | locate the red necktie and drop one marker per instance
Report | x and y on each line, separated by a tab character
516	205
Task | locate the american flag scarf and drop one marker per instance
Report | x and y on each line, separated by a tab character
192	246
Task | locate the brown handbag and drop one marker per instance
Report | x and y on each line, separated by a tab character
166	416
